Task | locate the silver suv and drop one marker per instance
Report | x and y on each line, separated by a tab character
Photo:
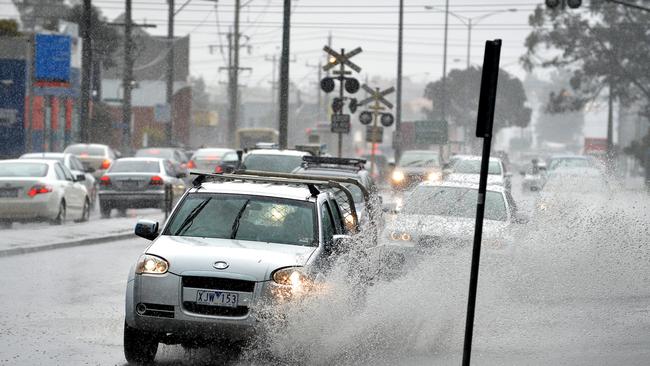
232	244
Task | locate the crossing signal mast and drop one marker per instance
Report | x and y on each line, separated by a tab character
374	133
340	120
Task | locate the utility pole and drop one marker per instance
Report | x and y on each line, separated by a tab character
397	144
170	72
274	86
127	81
233	79
443	108
283	125
86	71
319	101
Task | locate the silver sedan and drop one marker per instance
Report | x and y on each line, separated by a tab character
37	190
140	183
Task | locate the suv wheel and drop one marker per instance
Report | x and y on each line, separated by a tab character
139	347
105	209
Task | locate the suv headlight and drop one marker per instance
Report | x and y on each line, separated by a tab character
434	177
400	236
292	276
398	176
150	264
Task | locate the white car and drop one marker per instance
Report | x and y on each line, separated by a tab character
467	169
229	248
442	216
76	167
36	190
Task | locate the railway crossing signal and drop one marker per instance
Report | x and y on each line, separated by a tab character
374	133
340	121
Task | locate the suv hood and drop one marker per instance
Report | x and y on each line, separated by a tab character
492	179
455	228
247	259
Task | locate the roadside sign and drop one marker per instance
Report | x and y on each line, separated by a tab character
341	123
374	134
162	113
431	132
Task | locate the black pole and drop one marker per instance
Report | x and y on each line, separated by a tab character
397	144
284	76
86	71
170	72
487	102
127	80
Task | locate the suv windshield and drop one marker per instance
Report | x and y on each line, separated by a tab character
273	163
419	159
264	219
454	201
570	163
135	166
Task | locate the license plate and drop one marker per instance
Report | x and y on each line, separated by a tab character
130	184
6	193
217	298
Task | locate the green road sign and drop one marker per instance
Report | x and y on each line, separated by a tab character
431	132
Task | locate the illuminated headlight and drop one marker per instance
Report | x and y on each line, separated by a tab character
150	264
293	277
400	236
398	176
542	206
434	177
350	222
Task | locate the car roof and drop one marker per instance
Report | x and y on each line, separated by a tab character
51	155
570	157
290	191
89	145
421	151
333	171
277	152
141	159
30	161
457	184
212	150
475	157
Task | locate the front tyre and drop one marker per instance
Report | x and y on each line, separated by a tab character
139	347
105	209
85	212
60	217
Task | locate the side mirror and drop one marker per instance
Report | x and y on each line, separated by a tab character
181	175
520	218
340	243
147	229
90	170
391	165
390	208
79	177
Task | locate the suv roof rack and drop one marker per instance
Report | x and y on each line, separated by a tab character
325	161
279	178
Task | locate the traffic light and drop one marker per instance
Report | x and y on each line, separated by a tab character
365	118
351	85
386	119
337	105
573	4
327	84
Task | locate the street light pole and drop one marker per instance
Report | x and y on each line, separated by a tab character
444	65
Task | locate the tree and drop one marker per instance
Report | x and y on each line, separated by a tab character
200	96
8	28
105	38
463	93
606	48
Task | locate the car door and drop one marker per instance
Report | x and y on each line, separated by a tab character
70	192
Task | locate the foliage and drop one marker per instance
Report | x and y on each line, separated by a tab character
463	93
9	28
639	149
607	45
200	96
105	38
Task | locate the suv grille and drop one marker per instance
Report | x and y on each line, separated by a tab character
218	283
215	310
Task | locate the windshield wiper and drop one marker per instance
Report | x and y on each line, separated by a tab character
189	220
235	224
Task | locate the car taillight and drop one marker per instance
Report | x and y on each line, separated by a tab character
105	180
105	164
191	164
218	169
38	189
156	181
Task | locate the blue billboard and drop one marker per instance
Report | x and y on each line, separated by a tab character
52	57
12	107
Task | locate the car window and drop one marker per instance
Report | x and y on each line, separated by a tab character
60	175
18	169
327	223
473	166
419	159
85	150
570	163
254	218
454	202
273	163
135	166
75	163
169	168
336	214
